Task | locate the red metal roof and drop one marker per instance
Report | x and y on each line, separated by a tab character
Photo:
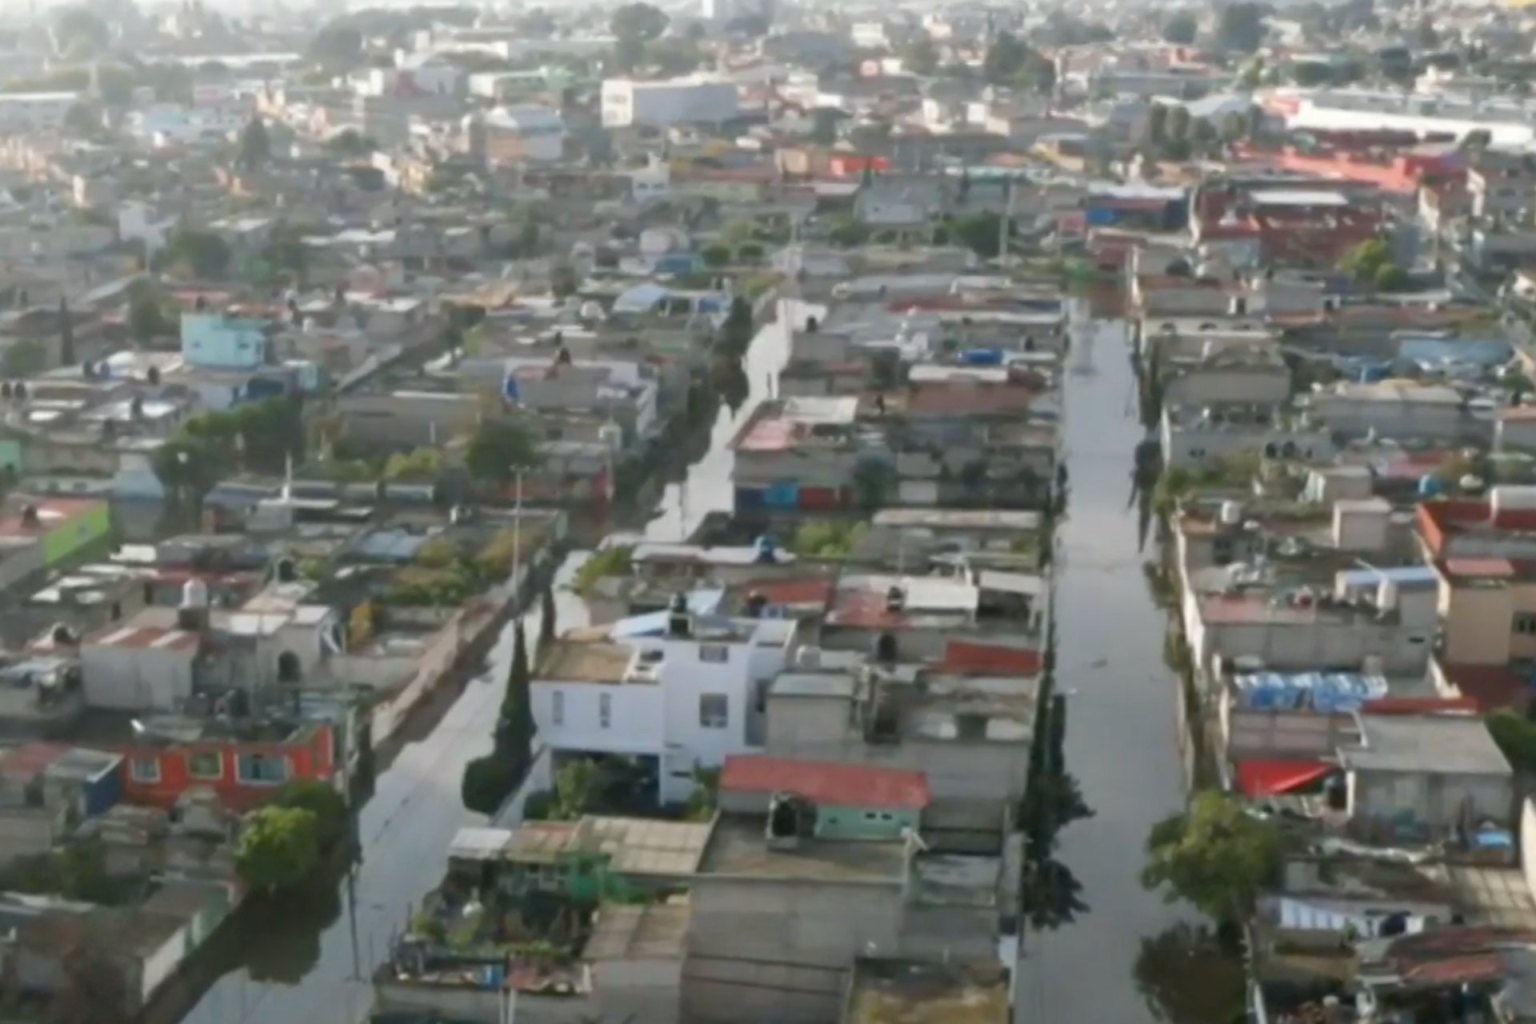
1418	705
992	659
1274	778
791	592
825	782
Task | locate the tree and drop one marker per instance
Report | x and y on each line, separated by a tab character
1038	74
337	45
824	126
737	330
199	253
146	315
279	847
716	256
255	144
82	120
847	232
1179	122
1391	278
1214	855
23	358
577	787
79	30
563	281
499	450
1366	260
487	783
1516	737
1181	27
323	801
640	21
1004	59
1240	26
980	232
548	622
66	334
514	726
873	481
1186	976
921	57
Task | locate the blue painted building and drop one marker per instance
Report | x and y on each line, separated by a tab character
212	341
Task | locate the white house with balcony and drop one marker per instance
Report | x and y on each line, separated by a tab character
682	687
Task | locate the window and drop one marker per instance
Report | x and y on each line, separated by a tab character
605	710
205	764
714	710
557	708
1524	624
145	769
261	769
716	653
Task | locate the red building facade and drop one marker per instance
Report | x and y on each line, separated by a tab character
244	773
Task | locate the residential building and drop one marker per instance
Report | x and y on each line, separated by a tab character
47	790
244	761
1440	773
213	341
786	900
681	689
35	113
523	134
659	104
39	534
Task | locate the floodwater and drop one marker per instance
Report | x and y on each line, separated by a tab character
1122	959
1111	963
312	966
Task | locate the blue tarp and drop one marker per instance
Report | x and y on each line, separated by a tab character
1402	575
1324	692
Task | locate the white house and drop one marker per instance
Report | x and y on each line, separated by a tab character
523	134
685	689
697	99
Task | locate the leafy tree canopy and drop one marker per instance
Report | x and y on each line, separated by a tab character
279	847
1214	855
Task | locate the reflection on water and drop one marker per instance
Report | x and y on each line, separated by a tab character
1103	954
312	968
1186	978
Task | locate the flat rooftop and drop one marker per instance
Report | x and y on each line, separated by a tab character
633	846
912	992
738	846
1431	744
655	931
586	661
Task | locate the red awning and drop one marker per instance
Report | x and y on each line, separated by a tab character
1275	778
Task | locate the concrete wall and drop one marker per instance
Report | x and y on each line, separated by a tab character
641	991
1528	843
1404	649
1438	801
1202	385
776	951
28	831
979	773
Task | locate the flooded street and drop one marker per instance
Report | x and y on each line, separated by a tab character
1121	733
314	970
1120	744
